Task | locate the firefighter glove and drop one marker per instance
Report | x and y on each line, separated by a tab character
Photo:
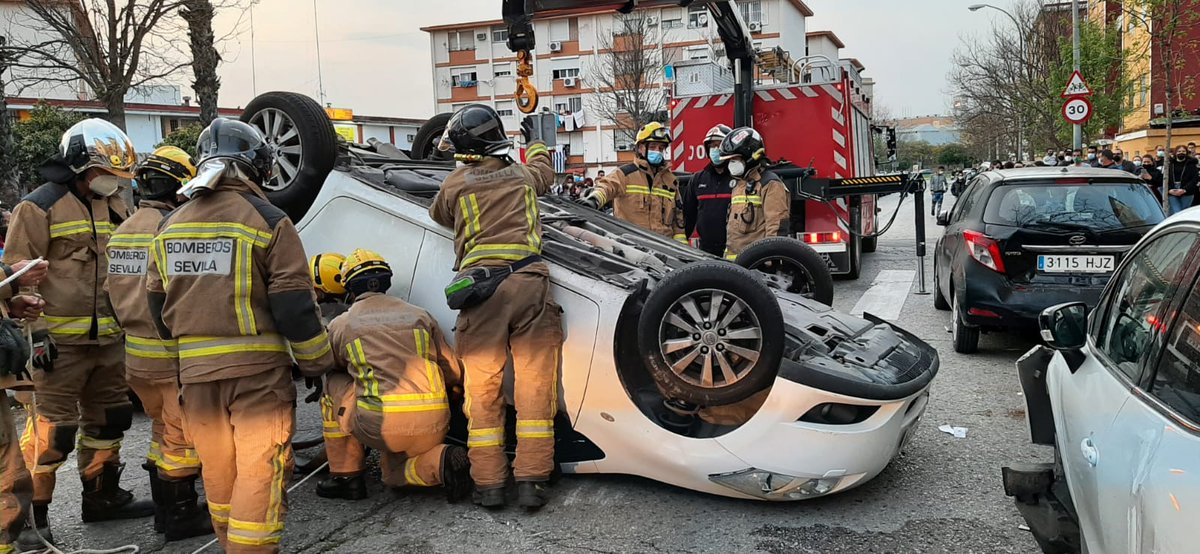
44	351
316	386
529	129
591	201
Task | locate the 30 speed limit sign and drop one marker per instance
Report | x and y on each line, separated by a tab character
1077	110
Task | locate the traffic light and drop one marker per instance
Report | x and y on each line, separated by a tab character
891	143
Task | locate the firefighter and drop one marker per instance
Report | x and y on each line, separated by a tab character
706	198
389	391
16	486
228	280
151	366
503	293
761	204
644	193
326	272
80	383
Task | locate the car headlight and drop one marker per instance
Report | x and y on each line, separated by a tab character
769	485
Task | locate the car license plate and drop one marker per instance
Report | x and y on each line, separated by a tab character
1076	264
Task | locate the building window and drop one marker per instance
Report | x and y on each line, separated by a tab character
697	17
463	78
752	11
668	24
1145	92
504	108
499	34
566	73
460	40
502	70
569	105
700	53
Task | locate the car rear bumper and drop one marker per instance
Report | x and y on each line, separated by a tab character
992	300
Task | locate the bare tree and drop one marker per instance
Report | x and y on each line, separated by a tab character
9	181
108	48
628	75
199	17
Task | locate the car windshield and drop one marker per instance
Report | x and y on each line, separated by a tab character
1073	207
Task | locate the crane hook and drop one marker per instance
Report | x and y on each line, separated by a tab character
526	95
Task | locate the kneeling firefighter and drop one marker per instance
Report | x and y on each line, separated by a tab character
151	363
646	192
228	279
503	293
80	386
761	203
388	391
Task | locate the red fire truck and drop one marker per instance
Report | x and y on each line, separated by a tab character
824	123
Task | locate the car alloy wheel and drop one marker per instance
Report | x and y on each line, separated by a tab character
283	136
711	338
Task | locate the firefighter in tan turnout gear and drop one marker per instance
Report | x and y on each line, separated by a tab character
16	486
503	292
645	193
151	366
80	379
388	391
227	279
761	203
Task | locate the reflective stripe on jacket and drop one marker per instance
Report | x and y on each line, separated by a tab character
757	212
228	278
399	360
146	355
646	197
72	233
492	207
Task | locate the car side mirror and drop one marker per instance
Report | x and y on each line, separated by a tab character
943	218
1064	328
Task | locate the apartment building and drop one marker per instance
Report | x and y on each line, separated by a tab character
472	64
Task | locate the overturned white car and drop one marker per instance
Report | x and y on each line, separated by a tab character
659	337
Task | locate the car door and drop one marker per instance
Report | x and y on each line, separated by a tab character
1096	442
950	244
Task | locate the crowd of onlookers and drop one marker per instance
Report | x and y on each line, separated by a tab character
575	186
1178	171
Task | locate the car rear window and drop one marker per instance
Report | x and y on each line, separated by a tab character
1098	206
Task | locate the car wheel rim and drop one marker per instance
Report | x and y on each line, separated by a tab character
711	338
283	136
796	276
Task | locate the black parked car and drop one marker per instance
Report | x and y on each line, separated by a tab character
1020	240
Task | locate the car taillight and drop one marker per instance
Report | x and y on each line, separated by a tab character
984	249
823	238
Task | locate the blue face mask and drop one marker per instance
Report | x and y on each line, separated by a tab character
654	157
714	154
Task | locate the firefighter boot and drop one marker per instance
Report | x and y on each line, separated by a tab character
28	539
156	495
104	499
184	517
456	473
346	487
531	495
490	498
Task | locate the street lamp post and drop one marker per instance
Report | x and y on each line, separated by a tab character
1077	129
1021	36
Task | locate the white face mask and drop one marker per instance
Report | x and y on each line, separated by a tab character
737	167
104	185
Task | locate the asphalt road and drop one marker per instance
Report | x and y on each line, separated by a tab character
942	495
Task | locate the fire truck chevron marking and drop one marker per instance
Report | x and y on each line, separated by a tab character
838	117
683	103
786	94
835	93
809	92
703	101
839	138
724	99
765	96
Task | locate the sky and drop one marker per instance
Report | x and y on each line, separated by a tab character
375	59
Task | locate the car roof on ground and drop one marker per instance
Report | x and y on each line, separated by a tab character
1046	173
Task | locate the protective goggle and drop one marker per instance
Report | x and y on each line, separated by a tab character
659	135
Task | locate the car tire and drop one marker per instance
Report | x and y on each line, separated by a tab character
764	253
306	147
939	299
966	338
678	347
869	244
424	145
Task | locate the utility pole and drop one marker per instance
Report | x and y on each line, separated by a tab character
1077	130
317	35
253	58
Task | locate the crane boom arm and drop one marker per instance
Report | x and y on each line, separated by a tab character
520	14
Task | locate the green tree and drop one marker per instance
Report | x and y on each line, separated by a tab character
915	152
1103	62
37	138
953	155
185	138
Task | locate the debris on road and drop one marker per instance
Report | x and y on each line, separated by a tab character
958	432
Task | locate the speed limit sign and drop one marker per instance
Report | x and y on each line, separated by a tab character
1077	110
